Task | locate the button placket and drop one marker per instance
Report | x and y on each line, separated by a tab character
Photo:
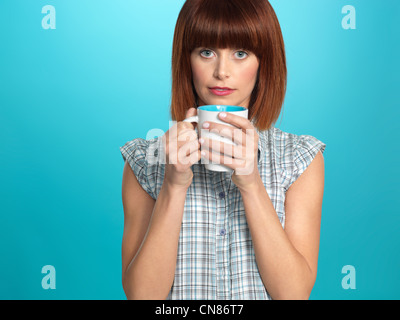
222	239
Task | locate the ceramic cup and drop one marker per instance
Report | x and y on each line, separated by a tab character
210	114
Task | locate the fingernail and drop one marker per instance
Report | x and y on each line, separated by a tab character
203	153
201	140
222	115
206	125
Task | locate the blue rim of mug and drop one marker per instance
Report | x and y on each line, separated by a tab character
221	108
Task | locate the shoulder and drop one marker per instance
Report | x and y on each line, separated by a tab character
287	145
135	149
291	153
142	152
145	159
289	142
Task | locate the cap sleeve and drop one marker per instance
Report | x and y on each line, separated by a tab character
305	149
136	153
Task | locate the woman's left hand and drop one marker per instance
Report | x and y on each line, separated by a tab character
242	157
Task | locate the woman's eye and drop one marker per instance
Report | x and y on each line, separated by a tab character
206	53
241	54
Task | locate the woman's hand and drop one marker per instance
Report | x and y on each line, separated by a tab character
182	149
243	157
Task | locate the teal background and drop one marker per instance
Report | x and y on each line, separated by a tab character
70	97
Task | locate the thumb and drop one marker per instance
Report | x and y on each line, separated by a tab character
191	112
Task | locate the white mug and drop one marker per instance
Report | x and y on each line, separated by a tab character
210	114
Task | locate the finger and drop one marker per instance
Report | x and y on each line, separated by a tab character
191	112
183	125
187	135
174	135
173	141
178	129
235	120
185	152
234	134
224	148
216	158
195	156
191	147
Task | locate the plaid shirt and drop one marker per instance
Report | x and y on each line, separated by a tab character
216	257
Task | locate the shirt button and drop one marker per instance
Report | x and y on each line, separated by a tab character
221	195
222	232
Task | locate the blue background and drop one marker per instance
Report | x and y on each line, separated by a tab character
70	97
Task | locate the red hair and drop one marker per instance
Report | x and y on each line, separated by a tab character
250	25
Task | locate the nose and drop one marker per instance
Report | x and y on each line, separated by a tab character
222	68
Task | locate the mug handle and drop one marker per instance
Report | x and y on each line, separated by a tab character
192	119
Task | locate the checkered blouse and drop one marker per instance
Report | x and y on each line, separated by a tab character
216	257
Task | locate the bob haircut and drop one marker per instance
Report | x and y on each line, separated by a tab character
240	24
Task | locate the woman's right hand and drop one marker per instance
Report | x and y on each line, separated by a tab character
182	149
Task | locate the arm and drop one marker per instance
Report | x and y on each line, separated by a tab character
150	239
151	228
287	258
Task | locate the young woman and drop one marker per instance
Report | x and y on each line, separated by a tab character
191	233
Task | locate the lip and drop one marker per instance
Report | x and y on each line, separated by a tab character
221	91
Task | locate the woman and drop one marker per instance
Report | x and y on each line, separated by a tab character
191	233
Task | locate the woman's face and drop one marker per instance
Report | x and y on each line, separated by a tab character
224	76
